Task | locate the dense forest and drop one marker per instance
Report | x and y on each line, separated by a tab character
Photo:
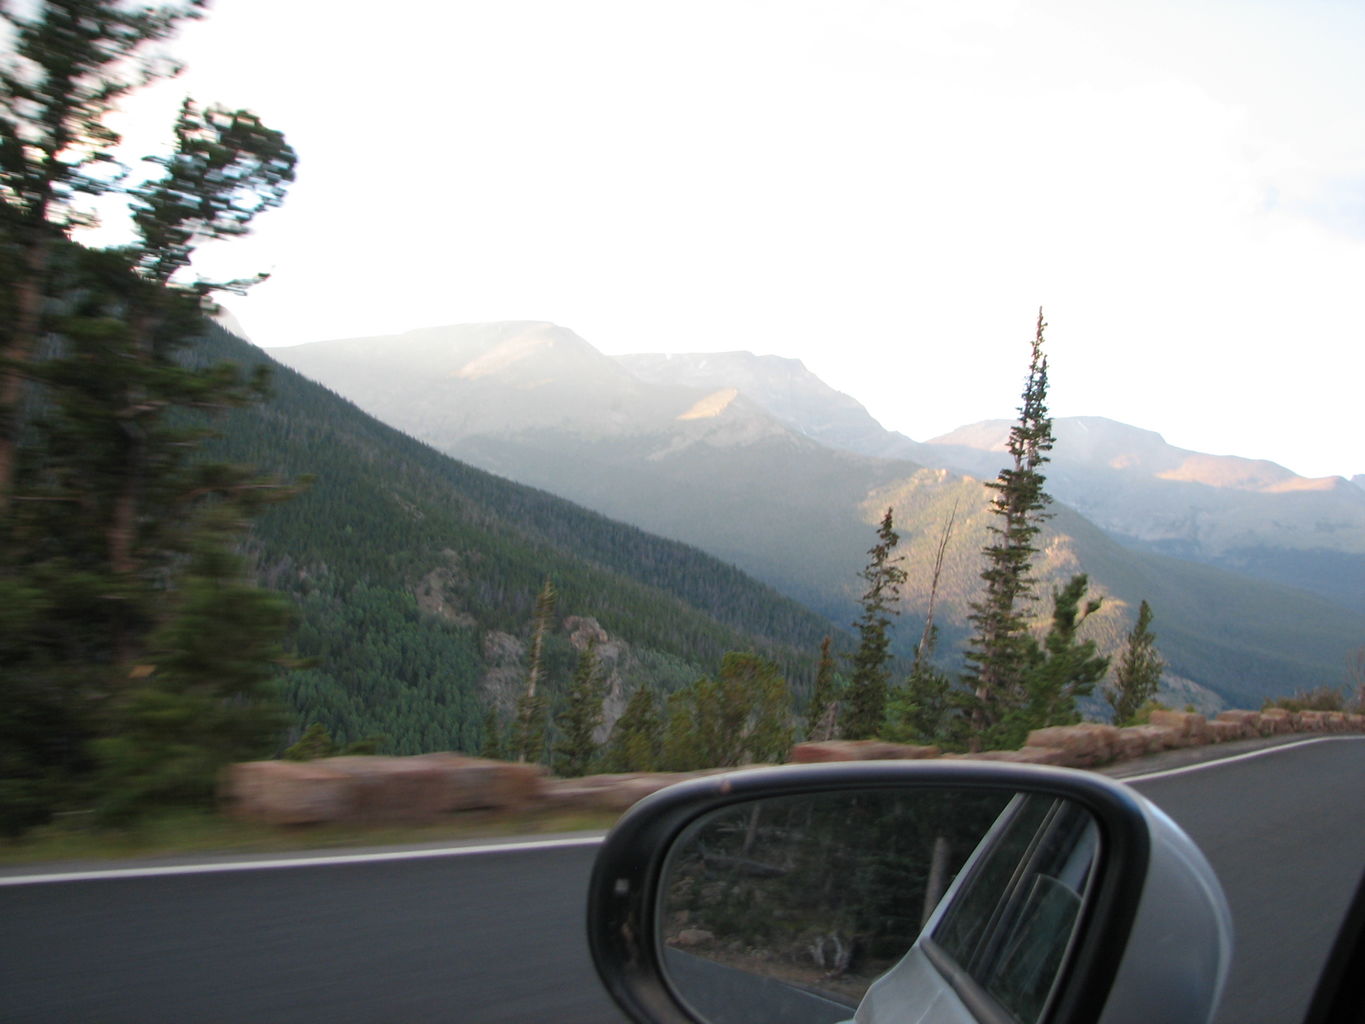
402	561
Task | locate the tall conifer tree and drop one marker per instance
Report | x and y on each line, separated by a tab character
870	679
1138	674
582	714
998	653
118	560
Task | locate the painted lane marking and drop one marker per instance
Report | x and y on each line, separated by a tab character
1199	766
300	862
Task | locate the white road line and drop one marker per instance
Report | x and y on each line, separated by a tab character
299	862
1200	766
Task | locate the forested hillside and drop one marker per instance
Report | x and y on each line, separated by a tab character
408	568
685	452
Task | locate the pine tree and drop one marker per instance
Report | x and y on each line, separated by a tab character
922	710
582	715
207	695
822	717
316	742
72	62
742	715
634	745
117	548
870	679
999	651
492	746
1061	670
1138	674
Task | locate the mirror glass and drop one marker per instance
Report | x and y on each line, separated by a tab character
878	903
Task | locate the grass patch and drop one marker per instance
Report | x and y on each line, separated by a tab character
74	837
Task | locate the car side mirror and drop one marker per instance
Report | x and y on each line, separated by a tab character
896	891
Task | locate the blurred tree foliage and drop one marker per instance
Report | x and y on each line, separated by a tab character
139	657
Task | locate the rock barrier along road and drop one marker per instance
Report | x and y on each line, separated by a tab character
494	933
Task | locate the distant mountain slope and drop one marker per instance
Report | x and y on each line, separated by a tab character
415	576
783	388
535	403
695	456
1246	515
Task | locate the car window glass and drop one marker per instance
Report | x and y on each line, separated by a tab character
969	919
1012	936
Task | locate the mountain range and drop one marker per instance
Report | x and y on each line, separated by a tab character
1257	577
415	578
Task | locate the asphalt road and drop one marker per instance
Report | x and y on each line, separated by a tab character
498	937
1285	833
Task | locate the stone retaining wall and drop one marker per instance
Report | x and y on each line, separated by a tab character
432	786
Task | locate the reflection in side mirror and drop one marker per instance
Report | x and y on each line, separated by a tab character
934	892
881	902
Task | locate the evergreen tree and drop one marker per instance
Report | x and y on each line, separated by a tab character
492	746
822	717
206	697
117	549
742	715
999	652
582	715
1060	670
316	742
922	710
1138	674
634	745
869	682
72	62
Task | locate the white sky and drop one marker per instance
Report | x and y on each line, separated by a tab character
885	189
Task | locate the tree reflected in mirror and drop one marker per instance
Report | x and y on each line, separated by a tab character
820	894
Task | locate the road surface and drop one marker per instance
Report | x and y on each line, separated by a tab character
489	937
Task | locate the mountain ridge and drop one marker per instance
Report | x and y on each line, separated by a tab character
797	511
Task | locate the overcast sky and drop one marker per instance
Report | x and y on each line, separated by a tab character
887	190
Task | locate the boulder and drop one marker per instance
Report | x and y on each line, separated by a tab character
606	792
1249	720
1085	744
1156	737
1190	727
693	937
859	750
369	789
285	792
1278	720
1221	731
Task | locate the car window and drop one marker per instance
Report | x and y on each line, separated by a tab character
1010	927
